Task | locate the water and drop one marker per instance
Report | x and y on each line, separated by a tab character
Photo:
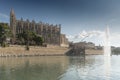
59	68
107	54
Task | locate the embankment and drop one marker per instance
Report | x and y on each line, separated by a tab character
93	52
19	51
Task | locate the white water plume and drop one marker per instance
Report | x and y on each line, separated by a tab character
107	47
107	54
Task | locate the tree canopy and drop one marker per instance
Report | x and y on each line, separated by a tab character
31	37
4	33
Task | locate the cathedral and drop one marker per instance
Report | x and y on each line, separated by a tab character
49	32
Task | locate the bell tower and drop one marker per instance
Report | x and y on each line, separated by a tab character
13	25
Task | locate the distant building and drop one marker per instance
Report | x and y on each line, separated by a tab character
99	47
87	45
90	45
50	33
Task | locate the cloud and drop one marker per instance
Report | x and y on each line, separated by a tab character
115	39
84	34
115	36
4	16
69	36
96	36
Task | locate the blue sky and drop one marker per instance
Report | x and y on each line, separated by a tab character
75	16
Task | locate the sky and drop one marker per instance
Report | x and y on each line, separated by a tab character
77	17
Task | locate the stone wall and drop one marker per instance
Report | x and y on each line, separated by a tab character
64	41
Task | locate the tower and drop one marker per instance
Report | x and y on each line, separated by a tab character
13	25
59	34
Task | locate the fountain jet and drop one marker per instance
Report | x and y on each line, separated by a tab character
107	54
107	47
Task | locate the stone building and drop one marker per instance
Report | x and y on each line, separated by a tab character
87	45
50	33
90	45
64	41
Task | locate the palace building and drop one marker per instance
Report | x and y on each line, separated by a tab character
50	33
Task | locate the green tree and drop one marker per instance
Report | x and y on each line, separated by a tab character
38	40
20	39
5	33
30	38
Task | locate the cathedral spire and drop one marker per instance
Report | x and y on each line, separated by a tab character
13	25
12	11
12	14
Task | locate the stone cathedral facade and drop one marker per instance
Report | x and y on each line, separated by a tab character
50	33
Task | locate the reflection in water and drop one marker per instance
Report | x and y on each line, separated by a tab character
91	67
81	68
32	68
107	65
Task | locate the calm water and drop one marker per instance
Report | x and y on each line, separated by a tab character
60	68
